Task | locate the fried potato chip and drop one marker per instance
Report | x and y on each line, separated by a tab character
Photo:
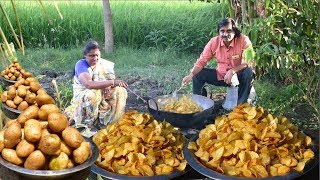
138	145
250	142
184	105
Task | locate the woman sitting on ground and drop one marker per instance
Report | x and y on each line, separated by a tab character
97	94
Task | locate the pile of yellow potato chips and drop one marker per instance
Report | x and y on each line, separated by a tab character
250	142
139	145
184	105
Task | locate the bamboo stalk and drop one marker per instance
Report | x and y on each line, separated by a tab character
6	44
19	27
10	25
57	8
45	11
231	10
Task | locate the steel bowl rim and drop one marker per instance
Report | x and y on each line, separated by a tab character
10	81
201	168
48	173
110	175
11	109
166	96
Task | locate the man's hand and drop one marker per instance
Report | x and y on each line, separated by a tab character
187	79
228	76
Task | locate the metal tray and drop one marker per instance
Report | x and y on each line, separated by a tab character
7	82
198	166
104	173
54	174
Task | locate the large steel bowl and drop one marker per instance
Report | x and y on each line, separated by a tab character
10	112
104	173
70	173
194	162
6	82
193	120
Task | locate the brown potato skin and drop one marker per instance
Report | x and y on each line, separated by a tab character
32	130
23	105
57	122
12	135
65	148
30	113
30	98
1	140
24	148
50	144
4	96
82	153
34	86
42	99
59	162
46	109
36	160
11	104
11	156
72	137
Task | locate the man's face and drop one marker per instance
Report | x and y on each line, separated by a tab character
92	57
226	33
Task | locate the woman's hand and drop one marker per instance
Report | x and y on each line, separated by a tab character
187	79
228	76
120	83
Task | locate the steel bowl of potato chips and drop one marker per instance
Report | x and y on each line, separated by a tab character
182	110
139	147
251	143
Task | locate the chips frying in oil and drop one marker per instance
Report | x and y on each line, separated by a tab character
184	105
249	142
138	145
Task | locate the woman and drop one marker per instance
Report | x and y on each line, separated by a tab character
96	92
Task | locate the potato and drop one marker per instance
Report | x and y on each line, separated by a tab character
11	104
82	153
34	86
24	148
1	140
41	91
32	130
17	100
44	124
71	164
11	156
65	148
36	161
12	135
72	137
4	96
57	122
11	92
46	109
44	132
59	162
23	105
30	113
42	99
13	78
50	144
19	82
22	90
30	98
27	74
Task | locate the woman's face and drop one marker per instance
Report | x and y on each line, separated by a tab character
92	57
227	33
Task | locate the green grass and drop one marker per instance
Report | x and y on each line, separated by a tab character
178	25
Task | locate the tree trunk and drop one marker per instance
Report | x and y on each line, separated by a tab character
108	29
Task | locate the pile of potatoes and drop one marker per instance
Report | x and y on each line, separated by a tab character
24	93
15	72
41	139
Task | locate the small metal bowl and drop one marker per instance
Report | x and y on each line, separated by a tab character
194	162
10	112
6	82
55	174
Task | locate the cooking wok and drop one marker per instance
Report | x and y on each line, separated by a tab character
192	120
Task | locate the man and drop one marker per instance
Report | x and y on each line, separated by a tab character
227	48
